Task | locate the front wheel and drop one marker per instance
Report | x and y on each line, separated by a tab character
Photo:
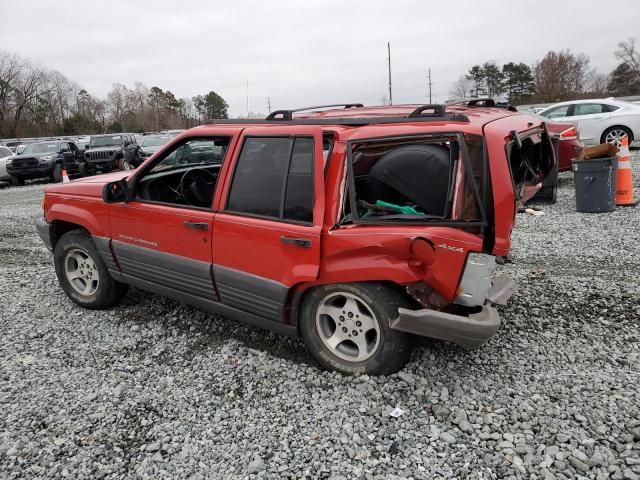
57	173
83	274
614	135
15	181
346	328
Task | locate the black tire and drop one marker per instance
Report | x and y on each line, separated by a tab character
603	138
108	292
15	181
57	173
83	171
394	348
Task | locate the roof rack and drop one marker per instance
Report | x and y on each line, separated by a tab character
288	114
438	113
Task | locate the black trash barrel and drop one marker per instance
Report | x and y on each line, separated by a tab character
595	182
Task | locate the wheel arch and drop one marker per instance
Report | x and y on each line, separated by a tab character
61	227
613	127
298	292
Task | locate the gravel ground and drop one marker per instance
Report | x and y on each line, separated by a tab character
155	389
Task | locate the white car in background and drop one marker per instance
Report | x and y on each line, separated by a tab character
5	153
599	120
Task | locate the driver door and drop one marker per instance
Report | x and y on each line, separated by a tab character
160	241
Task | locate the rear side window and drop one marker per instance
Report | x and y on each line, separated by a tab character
589	108
274	178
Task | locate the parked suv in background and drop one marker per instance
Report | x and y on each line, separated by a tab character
351	227
44	159
108	152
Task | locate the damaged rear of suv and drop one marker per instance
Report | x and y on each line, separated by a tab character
353	227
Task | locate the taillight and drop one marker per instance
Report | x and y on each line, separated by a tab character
569	134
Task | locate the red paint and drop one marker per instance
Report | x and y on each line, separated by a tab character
351	253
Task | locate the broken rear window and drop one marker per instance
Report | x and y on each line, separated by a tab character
416	179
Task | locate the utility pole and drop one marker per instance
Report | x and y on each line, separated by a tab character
269	103
247	98
430	86
389	62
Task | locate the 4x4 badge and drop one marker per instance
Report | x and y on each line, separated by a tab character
449	248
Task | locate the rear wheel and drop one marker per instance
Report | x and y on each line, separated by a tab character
346	328
614	135
83	274
15	181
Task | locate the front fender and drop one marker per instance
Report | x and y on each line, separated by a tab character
89	214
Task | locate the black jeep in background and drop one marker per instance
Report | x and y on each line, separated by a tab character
109	152
44	160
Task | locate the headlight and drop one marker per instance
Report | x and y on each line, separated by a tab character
47	157
9	161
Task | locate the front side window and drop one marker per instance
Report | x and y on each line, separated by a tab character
274	178
557	112
186	175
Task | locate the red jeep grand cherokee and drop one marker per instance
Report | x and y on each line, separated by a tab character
353	227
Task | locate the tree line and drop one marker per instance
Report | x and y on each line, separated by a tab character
558	76
35	101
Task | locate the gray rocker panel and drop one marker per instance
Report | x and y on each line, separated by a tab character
245	291
172	271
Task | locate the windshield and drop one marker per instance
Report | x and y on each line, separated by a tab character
111	140
41	148
155	140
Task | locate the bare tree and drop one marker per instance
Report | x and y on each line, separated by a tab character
11	66
461	89
561	76
628	54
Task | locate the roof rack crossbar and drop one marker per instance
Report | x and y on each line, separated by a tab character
288	114
438	111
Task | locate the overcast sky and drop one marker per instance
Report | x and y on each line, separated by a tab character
303	52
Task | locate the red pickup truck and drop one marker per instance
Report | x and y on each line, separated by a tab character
353	227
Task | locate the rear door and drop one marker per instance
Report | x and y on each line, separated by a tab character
266	232
592	119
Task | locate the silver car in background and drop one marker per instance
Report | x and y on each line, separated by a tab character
599	120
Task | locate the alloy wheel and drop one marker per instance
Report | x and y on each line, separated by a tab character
348	327
615	137
81	272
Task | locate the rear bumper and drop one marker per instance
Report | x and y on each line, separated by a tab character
468	331
44	230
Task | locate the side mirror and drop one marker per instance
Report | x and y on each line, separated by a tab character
115	192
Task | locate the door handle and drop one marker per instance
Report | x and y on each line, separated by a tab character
197	225
298	242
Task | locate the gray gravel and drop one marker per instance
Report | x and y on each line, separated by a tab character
155	389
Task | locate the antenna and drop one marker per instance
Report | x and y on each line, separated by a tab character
389	63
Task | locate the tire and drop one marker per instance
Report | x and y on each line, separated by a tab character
384	351
83	171
16	182
57	173
614	134
76	254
